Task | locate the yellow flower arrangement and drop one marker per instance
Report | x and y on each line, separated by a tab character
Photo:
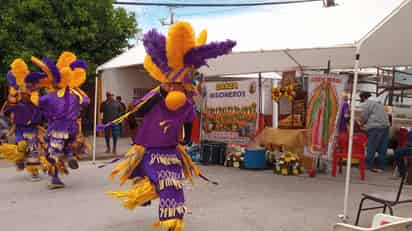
289	164
288	91
276	93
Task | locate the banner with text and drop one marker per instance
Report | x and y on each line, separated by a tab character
231	111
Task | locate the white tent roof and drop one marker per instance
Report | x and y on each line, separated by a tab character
386	45
131	57
280	60
390	42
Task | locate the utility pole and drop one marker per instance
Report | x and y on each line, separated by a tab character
329	3
139	37
171	15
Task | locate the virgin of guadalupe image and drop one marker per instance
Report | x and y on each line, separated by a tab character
322	111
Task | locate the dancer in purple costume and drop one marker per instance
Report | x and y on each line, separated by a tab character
61	108
158	163
26	118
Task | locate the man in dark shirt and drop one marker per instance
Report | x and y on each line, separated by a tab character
111	109
377	122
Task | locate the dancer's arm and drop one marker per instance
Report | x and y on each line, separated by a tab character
147	104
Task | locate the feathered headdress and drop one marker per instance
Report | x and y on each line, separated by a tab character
174	58
19	76
21	79
67	72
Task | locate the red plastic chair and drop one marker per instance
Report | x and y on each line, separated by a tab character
402	142
403	137
360	141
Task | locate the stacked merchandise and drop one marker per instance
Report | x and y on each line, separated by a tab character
229	118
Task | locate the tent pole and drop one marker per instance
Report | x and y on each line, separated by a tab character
261	123
260	93
95	115
275	109
344	217
203	97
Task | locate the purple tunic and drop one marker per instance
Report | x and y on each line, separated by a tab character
26	117
25	114
62	112
162	127
162	162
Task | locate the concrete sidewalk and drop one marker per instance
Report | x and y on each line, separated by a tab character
244	200
123	145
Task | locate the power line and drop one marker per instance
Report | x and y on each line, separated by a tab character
207	12
213	4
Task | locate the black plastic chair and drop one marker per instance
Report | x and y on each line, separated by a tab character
388	201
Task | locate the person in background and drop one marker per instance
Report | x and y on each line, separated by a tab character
400	154
111	109
344	114
123	110
377	123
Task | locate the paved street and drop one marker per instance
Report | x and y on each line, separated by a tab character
244	200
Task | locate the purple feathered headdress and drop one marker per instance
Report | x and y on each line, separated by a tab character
176	56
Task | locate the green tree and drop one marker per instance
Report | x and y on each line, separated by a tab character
93	29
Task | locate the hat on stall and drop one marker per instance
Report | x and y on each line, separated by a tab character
365	94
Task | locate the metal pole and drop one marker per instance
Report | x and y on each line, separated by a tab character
260	93
351	129
392	87
260	103
202	109
275	108
95	116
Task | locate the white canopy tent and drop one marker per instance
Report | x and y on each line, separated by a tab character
132	57
388	44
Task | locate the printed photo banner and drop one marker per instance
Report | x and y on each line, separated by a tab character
324	100
231	111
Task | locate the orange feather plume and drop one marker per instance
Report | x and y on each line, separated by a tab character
180	39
